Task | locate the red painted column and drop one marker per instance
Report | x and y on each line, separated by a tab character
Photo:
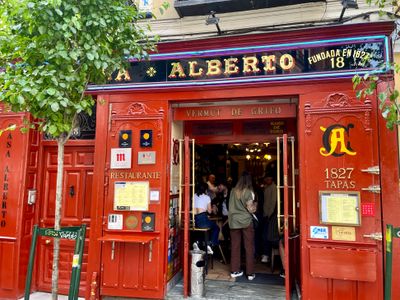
99	183
389	168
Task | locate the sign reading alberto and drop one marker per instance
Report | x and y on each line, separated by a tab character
271	62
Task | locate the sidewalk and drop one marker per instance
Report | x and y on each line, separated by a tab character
46	296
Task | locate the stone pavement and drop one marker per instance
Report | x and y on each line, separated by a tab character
219	289
215	290
45	296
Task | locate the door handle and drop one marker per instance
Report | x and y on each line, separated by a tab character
71	191
377	236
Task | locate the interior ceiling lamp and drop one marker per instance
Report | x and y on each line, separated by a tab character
347	4
212	19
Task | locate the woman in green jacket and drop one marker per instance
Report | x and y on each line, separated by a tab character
241	206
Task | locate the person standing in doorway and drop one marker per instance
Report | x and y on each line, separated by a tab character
241	206
269	218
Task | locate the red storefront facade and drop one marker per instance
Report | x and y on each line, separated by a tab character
135	251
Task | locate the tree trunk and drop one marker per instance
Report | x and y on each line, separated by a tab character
57	216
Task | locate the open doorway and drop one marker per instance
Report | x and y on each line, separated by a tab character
225	163
225	147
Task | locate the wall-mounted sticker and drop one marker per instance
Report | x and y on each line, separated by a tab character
155	195
334	140
319	232
146	157
368	209
114	221
340	233
121	158
148	221
131	222
125	138
146	138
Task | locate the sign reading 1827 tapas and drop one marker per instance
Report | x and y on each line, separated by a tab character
337	57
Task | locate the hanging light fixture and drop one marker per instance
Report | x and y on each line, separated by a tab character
347	4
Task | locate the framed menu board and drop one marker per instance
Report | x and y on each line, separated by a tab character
339	208
131	195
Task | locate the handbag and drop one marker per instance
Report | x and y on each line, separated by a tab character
254	218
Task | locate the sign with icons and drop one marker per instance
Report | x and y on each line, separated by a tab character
146	157
319	232
148	221
125	138
115	221
121	158
146	138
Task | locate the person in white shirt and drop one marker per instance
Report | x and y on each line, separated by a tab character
202	207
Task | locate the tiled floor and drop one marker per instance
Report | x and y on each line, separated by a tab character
219	289
219	285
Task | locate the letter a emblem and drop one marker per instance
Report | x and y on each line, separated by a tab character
334	141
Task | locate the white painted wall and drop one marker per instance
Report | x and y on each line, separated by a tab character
170	27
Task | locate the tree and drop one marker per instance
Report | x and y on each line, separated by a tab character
50	50
366	85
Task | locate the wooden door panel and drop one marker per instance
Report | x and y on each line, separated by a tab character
150	262
78	173
49	194
340	144
65	265
71	199
87	194
84	158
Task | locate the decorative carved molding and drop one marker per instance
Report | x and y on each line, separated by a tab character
139	111
338	100
308	123
336	106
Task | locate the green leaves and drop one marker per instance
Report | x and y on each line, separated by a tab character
52	49
55	107
388	96
51	91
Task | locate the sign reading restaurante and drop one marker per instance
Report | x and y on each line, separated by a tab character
339	57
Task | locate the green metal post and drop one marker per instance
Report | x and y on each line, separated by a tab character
77	264
71	293
81	248
30	263
389	258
